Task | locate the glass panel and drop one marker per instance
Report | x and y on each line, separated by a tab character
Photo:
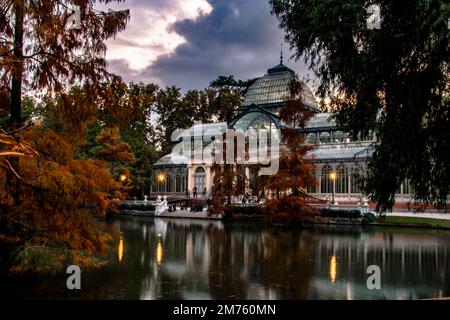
326	185
338	136
325	137
312	189
342	180
274	88
311	138
321	120
357	179
169	183
200	170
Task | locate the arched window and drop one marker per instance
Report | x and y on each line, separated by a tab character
200	170
199	179
347	137
311	138
326	184
258	127
342	179
407	187
366	136
338	136
357	179
255	121
168	183
312	189
161	181
325	137
154	185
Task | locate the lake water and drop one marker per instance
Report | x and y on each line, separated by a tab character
199	259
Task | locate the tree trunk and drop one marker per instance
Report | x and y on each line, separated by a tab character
17	72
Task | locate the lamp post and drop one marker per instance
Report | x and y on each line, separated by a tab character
333	178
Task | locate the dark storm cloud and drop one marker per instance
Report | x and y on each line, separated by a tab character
238	37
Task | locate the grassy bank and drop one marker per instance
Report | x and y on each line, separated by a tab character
413	221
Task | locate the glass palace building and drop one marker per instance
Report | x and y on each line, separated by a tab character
334	150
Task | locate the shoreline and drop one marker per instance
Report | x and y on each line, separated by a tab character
257	219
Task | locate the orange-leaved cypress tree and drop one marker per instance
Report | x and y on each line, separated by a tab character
50	205
40	52
289	202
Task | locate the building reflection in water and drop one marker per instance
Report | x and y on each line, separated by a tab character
212	260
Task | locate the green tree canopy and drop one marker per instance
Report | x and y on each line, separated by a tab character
393	80
175	110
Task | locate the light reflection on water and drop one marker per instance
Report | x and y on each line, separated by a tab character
120	249
197	259
333	269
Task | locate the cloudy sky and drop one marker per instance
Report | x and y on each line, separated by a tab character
188	43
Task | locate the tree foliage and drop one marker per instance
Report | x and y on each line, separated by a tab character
51	197
50	203
229	178
113	149
39	53
393	80
289	202
175	110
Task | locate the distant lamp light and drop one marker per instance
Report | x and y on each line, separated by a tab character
333	175
161	177
123	177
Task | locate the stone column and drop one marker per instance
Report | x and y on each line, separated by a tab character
190	179
349	177
208	179
319	178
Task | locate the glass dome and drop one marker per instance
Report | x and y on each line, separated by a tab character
273	89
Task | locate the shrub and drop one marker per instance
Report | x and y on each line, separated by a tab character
246	211
330	213
368	218
289	210
137	206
